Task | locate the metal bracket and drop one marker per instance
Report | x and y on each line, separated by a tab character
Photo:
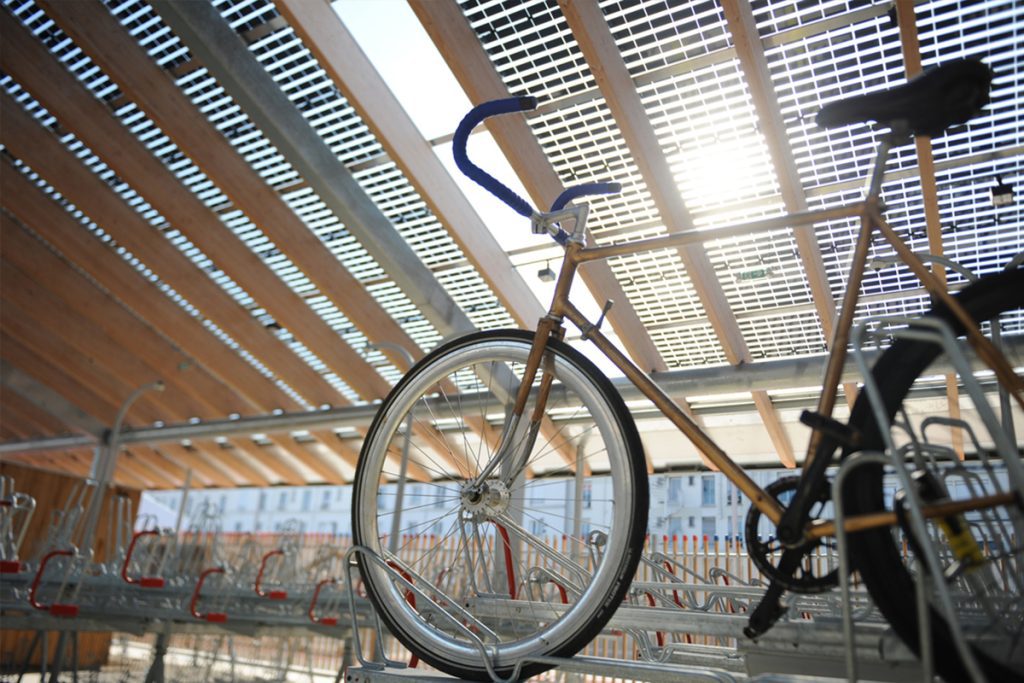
589	329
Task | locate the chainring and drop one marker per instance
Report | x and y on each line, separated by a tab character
807	578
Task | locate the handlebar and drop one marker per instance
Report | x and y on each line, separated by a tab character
509	106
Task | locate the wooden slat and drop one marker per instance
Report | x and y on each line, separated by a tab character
109	44
13	405
246	388
750	51
326	471
907	19
28	299
285	472
173	469
27	140
198	461
340	55
234	462
55	364
126	464
754	64
598	46
461	49
43	397
158	478
92	122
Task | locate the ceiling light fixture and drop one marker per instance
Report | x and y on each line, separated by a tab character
1002	194
546	274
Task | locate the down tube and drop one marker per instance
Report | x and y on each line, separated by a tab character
736	474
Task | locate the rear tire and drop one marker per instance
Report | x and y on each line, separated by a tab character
989	599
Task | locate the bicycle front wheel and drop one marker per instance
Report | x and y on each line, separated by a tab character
984	569
499	540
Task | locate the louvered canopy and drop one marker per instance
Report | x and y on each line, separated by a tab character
228	197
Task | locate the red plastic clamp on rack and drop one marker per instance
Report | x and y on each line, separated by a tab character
56	609
212	617
271	594
144	581
323	621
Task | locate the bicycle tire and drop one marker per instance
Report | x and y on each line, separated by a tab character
877	553
582	402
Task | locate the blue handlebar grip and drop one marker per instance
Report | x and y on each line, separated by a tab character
572	193
474	172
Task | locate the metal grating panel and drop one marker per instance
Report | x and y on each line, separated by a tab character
531	46
655	35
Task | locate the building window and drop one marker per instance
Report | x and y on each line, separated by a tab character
707	490
325	501
707	526
675	490
262	505
282	501
307	500
587	495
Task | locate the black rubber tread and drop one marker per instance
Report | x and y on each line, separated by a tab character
875	553
637	532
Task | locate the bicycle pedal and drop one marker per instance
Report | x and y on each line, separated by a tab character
842	433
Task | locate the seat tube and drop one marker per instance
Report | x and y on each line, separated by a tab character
841	335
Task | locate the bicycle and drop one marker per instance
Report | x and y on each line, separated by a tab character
501	597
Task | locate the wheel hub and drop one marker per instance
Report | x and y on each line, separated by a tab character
489	499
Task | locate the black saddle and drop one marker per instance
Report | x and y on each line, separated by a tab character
927	104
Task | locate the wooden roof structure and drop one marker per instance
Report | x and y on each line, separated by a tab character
228	197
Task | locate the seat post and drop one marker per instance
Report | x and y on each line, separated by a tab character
896	136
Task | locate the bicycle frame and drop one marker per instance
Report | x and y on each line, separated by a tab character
871	220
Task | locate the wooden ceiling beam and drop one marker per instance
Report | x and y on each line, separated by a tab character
28	141
157	478
45	398
340	55
43	422
100	34
326	471
198	461
92	122
95	312
911	46
754	65
52	360
232	461
598	46
172	469
461	49
26	298
285	472
212	41
243	389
